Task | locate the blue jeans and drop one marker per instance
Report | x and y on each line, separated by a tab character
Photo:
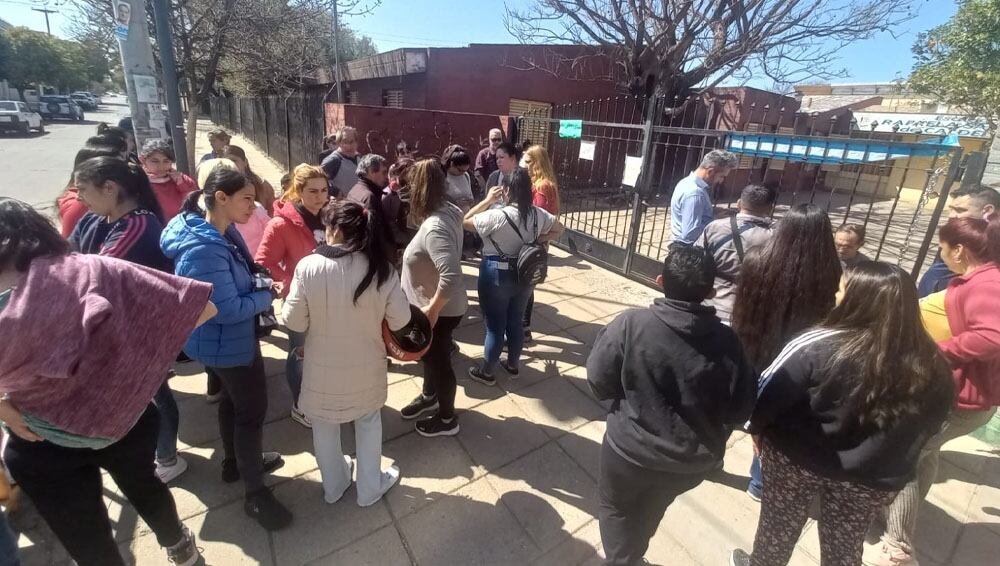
170	419
756	486
503	302
293	365
8	543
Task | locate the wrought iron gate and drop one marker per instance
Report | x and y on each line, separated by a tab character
895	187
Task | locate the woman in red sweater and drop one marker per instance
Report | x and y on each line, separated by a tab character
291	235
970	247
171	186
545	195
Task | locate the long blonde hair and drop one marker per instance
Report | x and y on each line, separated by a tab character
541	169
301	175
427	188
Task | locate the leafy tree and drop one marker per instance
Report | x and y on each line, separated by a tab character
5	55
959	62
38	58
671	47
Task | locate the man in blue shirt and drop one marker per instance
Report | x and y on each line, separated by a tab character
973	202
691	206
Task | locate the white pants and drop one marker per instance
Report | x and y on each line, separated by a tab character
332	465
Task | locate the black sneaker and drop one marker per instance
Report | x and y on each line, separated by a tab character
419	406
266	510
511	369
270	461
477	374
739	557
434	426
185	552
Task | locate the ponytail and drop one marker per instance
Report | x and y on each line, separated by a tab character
128	176
361	230
220	178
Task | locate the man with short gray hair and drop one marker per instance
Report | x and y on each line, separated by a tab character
373	176
691	206
339	166
486	160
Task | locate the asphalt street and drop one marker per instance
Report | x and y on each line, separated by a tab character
36	168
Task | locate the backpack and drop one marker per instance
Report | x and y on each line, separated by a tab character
530	264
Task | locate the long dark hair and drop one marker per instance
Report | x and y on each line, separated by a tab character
221	178
26	235
361	231
788	285
520	194
90	151
255	180
980	238
888	360
129	176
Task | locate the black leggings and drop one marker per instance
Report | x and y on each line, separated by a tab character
439	376
65	486
241	417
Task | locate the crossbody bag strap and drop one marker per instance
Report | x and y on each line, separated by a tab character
737	239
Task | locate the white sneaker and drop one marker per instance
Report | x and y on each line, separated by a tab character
168	473
389	478
300	417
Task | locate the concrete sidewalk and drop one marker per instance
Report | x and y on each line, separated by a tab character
516	486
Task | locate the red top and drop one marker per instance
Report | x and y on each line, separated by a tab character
71	210
544	195
172	192
974	348
286	240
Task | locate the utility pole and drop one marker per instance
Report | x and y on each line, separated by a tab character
161	13
336	53
136	50
46	11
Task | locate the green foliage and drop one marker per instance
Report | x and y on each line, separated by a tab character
959	62
32	58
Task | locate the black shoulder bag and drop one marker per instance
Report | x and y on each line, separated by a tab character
530	264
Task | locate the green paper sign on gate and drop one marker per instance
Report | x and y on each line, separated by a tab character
570	129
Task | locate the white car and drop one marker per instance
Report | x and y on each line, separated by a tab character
15	116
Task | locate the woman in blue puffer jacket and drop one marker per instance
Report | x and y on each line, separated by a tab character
204	244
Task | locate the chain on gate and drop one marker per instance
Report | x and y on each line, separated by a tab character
928	192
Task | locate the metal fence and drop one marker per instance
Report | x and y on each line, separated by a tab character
896	187
289	129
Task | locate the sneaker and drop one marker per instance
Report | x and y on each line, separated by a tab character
270	461
419	406
389	478
477	374
300	417
434	426
885	554
752	495
267	510
528	339
213	398
511	369
184	553
170	470
739	557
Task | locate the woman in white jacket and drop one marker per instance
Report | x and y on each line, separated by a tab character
339	297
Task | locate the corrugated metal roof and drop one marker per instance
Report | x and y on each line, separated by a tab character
826	102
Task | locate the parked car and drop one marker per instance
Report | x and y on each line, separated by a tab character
51	107
15	116
85	100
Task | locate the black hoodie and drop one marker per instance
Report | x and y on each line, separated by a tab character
679	382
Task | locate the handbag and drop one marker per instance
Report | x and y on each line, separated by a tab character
531	262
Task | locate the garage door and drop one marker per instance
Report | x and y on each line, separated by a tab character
535	126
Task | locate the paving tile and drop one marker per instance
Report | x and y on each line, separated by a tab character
563	349
400	394
465	528
944	511
970	454
548	493
584	446
431	468
498	432
984	508
557	406
977	547
326	527
225	536
382	548
577	548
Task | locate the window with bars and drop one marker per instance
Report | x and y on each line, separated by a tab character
392	98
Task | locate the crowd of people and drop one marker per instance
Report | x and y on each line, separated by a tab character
847	375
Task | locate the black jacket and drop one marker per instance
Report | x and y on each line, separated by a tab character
679	383
818	431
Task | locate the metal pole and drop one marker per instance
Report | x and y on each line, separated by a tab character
161	13
642	185
336	53
932	227
46	11
145	104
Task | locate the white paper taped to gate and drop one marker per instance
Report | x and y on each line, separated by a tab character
587	150
633	166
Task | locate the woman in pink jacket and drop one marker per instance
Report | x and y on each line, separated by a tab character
970	247
292	234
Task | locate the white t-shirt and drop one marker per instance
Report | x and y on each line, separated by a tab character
492	224
460	191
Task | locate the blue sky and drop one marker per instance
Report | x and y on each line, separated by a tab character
426	23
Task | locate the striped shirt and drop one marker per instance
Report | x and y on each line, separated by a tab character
134	237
